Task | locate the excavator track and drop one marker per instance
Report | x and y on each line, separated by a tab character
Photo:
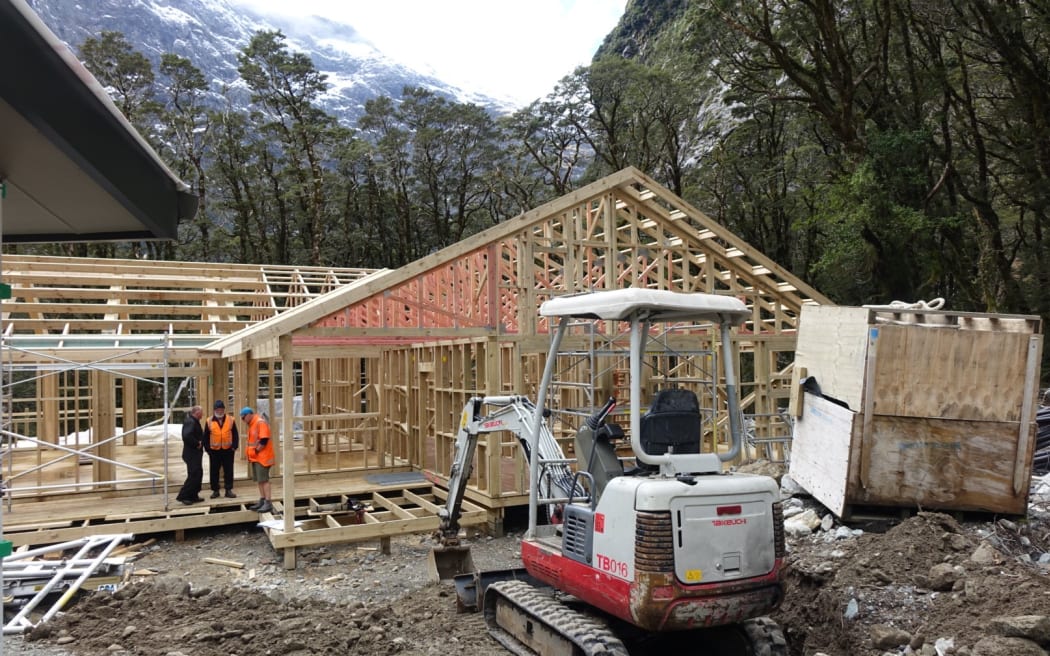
529	623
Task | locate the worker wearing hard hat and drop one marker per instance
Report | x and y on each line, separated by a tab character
260	456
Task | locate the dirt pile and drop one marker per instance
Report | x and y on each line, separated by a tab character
166	617
928	583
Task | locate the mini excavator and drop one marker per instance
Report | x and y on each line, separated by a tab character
673	553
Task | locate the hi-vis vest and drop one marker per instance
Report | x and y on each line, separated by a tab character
257	430
220	437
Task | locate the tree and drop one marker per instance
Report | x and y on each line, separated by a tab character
452	146
186	138
287	86
126	73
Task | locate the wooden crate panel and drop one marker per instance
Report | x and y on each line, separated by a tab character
937	463
949	373
821	451
943	403
832	346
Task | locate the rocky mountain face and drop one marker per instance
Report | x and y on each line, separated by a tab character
642	22
211	33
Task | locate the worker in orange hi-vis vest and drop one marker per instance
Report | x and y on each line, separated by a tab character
260	456
221	442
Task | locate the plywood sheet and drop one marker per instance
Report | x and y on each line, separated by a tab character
950	374
820	451
938	463
832	346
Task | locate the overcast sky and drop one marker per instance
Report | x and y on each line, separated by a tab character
515	49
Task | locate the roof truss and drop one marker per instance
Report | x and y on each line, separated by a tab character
623	231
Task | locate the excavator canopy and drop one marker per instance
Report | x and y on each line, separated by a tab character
649	304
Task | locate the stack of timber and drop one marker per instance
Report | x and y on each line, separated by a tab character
913	408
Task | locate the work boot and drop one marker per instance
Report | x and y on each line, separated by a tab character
230	494
215	494
258	504
265	506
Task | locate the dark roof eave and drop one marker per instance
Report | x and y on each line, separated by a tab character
56	95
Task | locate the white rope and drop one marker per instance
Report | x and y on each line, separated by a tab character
935	304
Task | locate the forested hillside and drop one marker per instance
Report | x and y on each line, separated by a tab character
880	149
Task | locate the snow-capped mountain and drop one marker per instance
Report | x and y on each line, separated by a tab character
211	33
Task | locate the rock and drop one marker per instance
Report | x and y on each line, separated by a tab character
852	608
799	525
811	518
927	650
41	631
1031	627
65	640
888	637
1001	646
958	542
986	554
944	575
793	506
843	533
763	468
128	630
881	576
827	522
944	646
789	487
171	585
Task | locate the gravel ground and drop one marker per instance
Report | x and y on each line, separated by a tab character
931	585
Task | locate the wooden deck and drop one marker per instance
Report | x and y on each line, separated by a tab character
400	502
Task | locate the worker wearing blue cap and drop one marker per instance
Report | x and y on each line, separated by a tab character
260	456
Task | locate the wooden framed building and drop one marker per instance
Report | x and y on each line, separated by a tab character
369	377
96	351
384	365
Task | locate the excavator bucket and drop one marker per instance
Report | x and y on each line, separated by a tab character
446	563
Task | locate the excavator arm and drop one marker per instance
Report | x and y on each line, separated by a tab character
514	414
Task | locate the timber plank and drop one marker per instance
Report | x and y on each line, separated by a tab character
392	520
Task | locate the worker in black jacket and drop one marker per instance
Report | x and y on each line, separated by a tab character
192	453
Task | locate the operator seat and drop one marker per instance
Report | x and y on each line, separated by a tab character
672	422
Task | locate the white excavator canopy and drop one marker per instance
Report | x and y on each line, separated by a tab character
654	305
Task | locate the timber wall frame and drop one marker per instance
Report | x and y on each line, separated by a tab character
89	343
382	362
395	355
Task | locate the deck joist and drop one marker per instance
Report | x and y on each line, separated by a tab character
394	509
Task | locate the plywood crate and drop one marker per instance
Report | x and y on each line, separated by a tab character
934	410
